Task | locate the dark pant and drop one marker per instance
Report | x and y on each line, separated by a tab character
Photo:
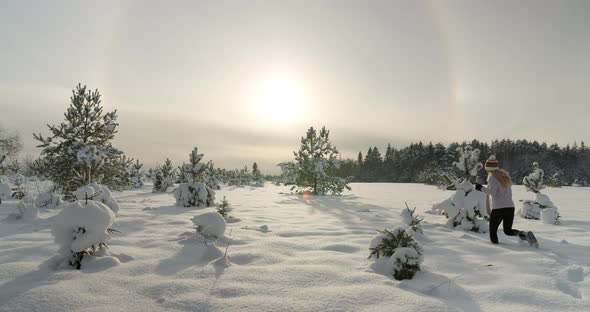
505	215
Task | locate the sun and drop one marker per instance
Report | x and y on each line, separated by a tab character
281	100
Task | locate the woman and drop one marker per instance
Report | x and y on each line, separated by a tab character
502	210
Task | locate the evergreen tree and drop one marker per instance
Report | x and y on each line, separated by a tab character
196	192
315	165
257	177
164	176
85	126
137	174
10	144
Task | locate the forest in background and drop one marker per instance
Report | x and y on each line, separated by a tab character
425	163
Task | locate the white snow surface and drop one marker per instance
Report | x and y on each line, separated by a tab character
5	191
314	259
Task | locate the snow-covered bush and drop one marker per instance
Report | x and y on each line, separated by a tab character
223	208
48	199
411	219
98	192
467	207
82	228
533	209
550	216
315	166
163	177
195	193
399	250
210	225
20	186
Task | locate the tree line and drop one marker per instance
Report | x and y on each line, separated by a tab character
425	163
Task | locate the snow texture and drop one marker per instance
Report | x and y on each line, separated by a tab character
314	259
5	191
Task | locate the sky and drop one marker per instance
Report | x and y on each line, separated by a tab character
243	80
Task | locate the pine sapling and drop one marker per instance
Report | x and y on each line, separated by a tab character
223	208
401	248
411	219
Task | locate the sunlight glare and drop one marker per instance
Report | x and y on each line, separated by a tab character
281	100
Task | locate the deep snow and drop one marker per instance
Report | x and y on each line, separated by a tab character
290	254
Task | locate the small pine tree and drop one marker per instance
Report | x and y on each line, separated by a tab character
534	181
411	219
467	207
164	177
196	192
257	177
533	209
85	125
223	208
399	246
137	174
315	165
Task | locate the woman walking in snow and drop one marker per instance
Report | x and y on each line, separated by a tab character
502	209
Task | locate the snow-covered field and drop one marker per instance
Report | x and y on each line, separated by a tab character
291	254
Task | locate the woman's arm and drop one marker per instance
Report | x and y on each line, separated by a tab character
492	188
488	209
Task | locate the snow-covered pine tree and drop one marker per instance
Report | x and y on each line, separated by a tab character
223	208
467	207
85	125
315	165
257	178
137	174
49	198
211	177
533	209
82	228
396	252
14	166
411	219
20	186
534	181
195	193
164	177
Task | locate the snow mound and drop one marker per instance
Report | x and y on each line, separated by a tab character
80	225
98	192
210	224
549	216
